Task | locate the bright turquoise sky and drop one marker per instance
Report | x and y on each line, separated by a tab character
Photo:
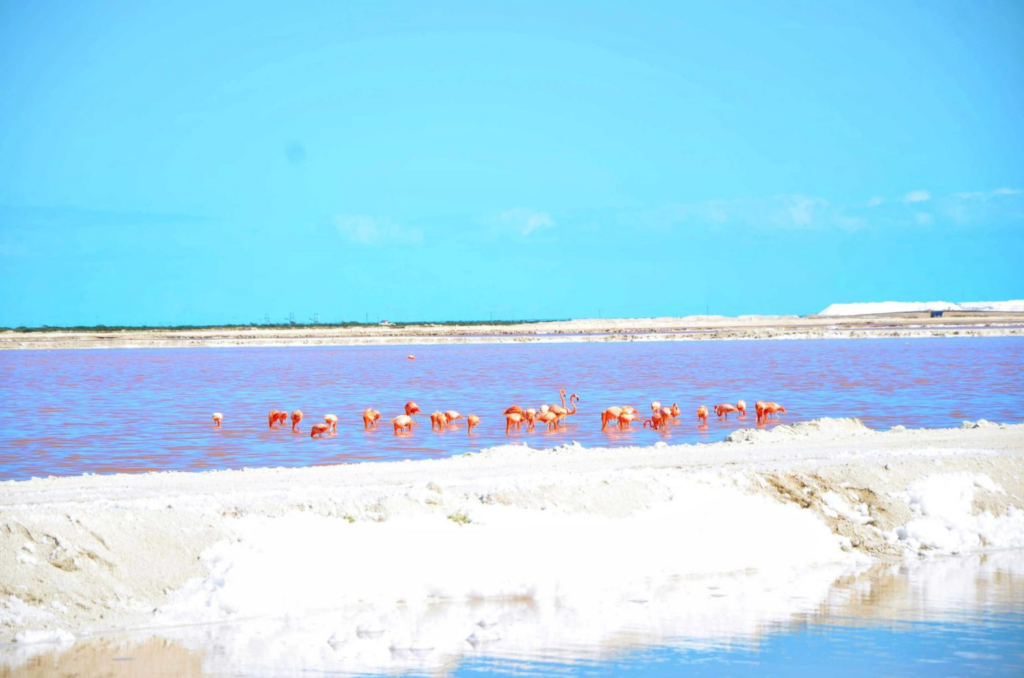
188	163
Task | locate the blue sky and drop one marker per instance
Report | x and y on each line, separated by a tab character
217	162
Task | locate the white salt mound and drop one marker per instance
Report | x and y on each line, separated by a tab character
825	429
878	307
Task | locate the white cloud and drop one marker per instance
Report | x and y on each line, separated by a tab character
986	195
525	220
366	230
917	196
923	218
875	202
802	211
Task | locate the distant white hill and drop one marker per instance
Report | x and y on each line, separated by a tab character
876	307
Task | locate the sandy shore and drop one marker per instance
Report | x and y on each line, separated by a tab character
94	554
692	328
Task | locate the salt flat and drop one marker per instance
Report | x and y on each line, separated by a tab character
90	554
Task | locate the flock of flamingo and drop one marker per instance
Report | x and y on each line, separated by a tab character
551	416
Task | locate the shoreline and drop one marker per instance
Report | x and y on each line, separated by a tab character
98	554
692	328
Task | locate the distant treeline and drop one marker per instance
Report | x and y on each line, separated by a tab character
271	326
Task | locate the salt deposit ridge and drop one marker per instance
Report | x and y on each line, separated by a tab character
408	564
878	307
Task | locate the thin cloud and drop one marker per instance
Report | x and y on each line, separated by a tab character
525	220
917	196
875	202
370	231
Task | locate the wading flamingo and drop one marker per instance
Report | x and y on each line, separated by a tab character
471	421
655	406
370	417
549	418
773	408
531	417
515	409
702	415
402	422
626	418
437	421
675	411
332	421
759	410
275	417
217	418
513	420
657	421
741	405
610	414
724	409
296	418
450	416
319	430
560	410
410	357
411	408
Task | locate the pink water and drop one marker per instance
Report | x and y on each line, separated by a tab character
108	411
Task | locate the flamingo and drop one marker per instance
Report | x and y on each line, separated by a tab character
471	421
549	418
411	408
273	417
741	405
560	410
515	409
626	418
759	409
217	417
657	421
319	430
675	411
655	406
437	420
370	417
332	421
724	409
513	420
450	416
610	414
702	415
531	417
296	418
410	357
402	422
772	408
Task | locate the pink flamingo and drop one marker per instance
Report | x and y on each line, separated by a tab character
471	421
724	409
411	408
513	420
296	418
549	418
402	422
450	416
702	415
217	418
609	415
332	421
437	421
319	430
370	417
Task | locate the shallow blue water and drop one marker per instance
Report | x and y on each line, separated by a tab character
105	411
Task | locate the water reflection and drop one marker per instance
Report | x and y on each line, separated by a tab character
66	412
962	613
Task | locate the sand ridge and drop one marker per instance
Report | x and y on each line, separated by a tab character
690	328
